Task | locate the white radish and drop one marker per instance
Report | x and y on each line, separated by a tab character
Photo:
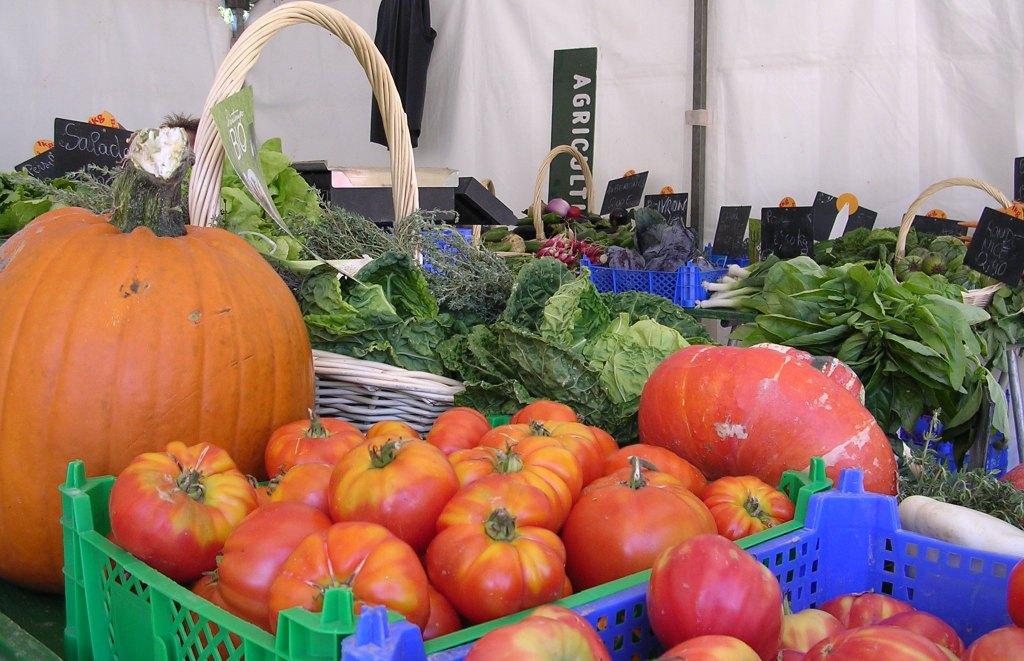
961	526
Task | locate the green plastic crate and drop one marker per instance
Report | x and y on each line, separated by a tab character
119	607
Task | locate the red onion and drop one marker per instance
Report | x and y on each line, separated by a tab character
557	205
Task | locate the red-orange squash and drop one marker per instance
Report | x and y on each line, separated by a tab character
117	343
732	411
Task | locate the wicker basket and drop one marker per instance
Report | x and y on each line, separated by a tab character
976	297
536	211
360	391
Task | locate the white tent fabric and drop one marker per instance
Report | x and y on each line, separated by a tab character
141	60
868	96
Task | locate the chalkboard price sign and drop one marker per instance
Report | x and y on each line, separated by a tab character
938	226
41	166
672	207
787	231
79	144
624	193
825	213
863	217
997	248
1018	178
732	226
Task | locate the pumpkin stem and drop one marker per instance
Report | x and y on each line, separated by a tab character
381	456
636	478
507	460
537	428
501	525
148	190
191	483
316	427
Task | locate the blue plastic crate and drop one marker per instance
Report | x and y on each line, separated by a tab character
851	542
724	260
684	286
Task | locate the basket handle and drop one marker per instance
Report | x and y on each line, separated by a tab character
915	206
204	188
588	183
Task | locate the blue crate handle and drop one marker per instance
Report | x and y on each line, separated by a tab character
375	638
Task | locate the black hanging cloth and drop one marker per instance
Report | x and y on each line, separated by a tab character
405	39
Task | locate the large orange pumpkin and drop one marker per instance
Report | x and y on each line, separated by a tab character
732	411
116	343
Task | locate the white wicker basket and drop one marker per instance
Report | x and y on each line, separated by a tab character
977	297
359	391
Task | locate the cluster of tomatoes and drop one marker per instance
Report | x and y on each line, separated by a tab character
712	601
466	525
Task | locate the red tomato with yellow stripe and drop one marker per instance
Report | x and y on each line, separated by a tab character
877	642
174	509
573	436
658	459
317	440
473	504
542	463
380	569
745	506
550	633
304	483
711	648
496	568
400	484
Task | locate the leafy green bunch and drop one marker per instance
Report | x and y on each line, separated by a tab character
912	343
560	339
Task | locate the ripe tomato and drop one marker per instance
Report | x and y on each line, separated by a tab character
391	430
549	633
543	410
255	551
745	506
930	627
1015	594
709	586
999	645
473	504
607	443
802	631
498	568
402	485
381	570
858	610
458	429
304	483
711	648
876	642
574	437
317	440
659	459
174	509
622	522
540	462
443	619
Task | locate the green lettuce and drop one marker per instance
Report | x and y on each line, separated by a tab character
403	283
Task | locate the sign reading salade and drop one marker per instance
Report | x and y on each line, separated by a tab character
573	97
